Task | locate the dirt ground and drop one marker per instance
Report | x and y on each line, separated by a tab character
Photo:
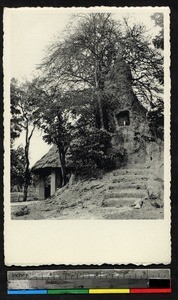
83	200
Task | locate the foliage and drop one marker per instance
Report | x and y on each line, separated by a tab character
95	67
23	105
17	167
54	120
81	60
16	129
34	180
158	41
156	121
86	74
146	64
99	61
91	150
146	74
24	117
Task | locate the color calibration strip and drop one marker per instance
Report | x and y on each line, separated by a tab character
90	291
89	281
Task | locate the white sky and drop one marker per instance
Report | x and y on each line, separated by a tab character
31	30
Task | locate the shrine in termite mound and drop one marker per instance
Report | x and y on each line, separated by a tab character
130	120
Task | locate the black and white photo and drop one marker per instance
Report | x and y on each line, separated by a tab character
87	108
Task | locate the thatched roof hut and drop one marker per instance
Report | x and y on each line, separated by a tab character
48	167
49	161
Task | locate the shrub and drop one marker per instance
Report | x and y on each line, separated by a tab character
156	122
91	151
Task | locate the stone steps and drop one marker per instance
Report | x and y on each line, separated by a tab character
112	209
125	178
125	193
117	203
131	172
135	166
131	185
128	188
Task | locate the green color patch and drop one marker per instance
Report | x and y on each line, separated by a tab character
68	291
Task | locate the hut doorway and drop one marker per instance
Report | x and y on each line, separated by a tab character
123	118
47	191
48	183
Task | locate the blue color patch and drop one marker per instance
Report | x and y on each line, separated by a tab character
27	292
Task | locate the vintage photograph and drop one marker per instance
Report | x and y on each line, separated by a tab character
87	136
87	115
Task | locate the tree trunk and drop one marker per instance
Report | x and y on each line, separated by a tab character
96	78
98	96
63	166
27	173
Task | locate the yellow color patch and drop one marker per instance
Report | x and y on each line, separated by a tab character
109	291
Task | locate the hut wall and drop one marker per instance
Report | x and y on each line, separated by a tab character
53	182
41	187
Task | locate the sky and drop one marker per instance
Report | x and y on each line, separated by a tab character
29	33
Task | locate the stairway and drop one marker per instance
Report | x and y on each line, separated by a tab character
128	188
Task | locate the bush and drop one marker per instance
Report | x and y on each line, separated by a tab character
156	122
116	159
92	151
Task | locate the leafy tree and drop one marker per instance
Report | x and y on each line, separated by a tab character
16	129
17	167
57	132
54	118
24	117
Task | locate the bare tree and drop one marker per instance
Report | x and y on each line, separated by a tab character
146	63
85	55
91	48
